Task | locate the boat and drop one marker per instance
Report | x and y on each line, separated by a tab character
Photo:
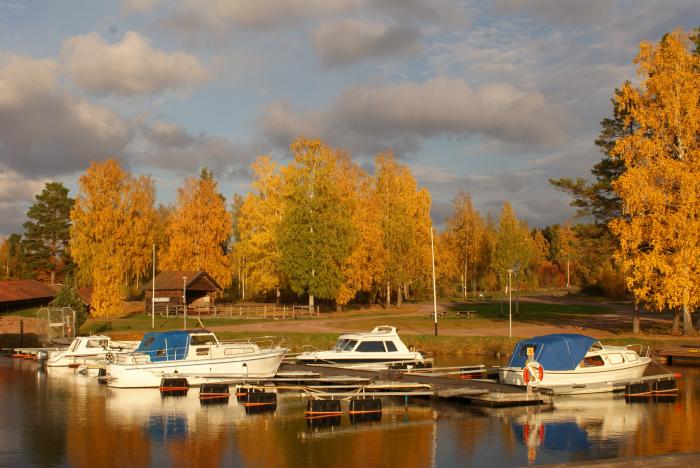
84	349
379	349
196	355
572	364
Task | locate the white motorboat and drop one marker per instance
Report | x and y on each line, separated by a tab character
572	364
196	355
379	349
85	349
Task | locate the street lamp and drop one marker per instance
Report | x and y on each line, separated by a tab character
510	314
184	298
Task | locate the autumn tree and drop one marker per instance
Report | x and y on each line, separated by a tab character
14	263
659	233
46	233
112	232
465	227
199	230
512	247
316	234
363	269
405	224
257	221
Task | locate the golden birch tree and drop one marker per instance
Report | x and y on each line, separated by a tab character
258	219
659	231
465	227
199	230
112	232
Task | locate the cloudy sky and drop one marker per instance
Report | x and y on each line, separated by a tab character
491	97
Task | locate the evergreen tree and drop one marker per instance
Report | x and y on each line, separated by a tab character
48	230
68	296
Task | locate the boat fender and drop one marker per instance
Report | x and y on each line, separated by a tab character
533	370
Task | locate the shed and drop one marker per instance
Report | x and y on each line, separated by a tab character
23	294
199	287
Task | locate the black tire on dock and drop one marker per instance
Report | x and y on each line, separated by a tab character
637	389
213	393
174	386
665	386
366	405
322	407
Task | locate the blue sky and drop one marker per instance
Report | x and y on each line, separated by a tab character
492	97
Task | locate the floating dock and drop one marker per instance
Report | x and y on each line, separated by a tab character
687	353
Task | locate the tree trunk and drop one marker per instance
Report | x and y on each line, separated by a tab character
676	328
388	294
399	298
405	291
279	296
688	329
464	281
53	277
311	300
517	297
635	320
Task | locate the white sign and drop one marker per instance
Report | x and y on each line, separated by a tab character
161	299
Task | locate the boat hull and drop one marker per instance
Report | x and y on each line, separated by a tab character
580	381
149	375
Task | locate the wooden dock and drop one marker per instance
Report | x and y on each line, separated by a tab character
689	354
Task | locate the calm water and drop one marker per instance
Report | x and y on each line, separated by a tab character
66	419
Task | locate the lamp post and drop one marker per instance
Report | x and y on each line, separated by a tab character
184	298
510	306
432	251
153	291
567	271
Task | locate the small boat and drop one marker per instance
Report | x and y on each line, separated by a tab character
84	349
196	355
572	364
379	349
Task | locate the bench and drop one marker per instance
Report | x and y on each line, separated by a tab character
466	313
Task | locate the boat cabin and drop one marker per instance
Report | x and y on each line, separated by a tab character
382	339
89	343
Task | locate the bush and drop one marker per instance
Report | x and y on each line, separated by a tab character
68	297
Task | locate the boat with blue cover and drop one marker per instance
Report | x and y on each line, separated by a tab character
196	355
572	364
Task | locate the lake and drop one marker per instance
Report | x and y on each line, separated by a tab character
66	419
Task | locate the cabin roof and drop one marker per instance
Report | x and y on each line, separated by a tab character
560	351
172	281
20	290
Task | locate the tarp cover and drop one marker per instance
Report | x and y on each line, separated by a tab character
165	346
557	352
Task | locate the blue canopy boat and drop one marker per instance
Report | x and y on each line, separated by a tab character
569	363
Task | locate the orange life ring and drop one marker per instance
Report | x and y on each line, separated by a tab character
526	372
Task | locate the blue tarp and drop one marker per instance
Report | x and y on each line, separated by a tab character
162	346
557	352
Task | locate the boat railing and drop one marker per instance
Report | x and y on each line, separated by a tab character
641	349
259	341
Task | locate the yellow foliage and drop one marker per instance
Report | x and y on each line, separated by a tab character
659	233
199	231
112	232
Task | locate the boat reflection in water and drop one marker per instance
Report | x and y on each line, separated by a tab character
578	424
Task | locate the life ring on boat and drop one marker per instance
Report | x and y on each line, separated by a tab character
533	371
109	357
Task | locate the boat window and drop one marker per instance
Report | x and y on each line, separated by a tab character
74	345
202	340
390	346
340	345
350	345
592	361
615	358
596	346
93	344
631	356
371	347
523	349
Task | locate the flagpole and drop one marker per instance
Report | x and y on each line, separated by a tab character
153	291
432	251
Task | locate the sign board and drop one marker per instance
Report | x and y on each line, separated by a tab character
161	299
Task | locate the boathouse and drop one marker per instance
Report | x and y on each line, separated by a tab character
198	288
24	294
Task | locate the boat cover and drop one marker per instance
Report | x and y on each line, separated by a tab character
165	346
558	352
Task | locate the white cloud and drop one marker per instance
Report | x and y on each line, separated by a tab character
16	195
370	119
44	130
348	41
129	67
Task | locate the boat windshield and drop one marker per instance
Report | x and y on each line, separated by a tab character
345	345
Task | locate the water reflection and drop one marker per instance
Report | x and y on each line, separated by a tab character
61	418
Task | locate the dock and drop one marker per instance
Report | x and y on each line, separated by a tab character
689	354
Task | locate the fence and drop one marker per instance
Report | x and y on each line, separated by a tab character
56	322
265	311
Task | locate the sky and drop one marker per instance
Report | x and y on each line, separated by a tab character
490	97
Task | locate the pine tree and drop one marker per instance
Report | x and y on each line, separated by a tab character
47	231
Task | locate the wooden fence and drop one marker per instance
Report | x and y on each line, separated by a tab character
264	311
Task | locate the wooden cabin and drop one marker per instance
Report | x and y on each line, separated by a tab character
24	294
200	290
